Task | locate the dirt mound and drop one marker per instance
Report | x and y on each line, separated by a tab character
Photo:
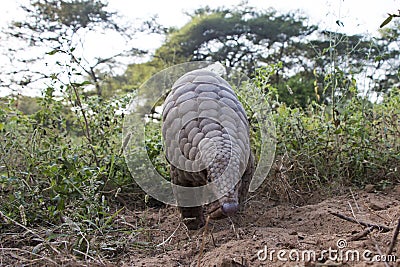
353	229
272	234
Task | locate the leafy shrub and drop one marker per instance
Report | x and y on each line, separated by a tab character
62	160
331	148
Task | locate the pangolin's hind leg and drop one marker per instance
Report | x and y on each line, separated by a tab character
245	181
193	217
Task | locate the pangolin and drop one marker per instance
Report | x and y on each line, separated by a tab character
206	139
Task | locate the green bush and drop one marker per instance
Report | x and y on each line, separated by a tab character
65	160
62	161
323	147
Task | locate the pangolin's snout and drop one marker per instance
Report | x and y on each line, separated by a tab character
230	208
220	210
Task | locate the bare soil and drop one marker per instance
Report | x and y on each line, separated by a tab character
277	228
266	233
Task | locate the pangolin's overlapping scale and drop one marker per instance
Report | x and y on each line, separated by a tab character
204	124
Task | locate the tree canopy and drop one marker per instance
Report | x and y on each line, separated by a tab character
246	39
59	27
241	37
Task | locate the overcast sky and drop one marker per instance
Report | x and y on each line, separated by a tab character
357	16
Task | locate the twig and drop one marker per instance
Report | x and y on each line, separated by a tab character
234	228
28	252
352	211
172	235
354	199
394	239
86	123
213	240
382	228
362	234
84	254
203	241
379	251
21	225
